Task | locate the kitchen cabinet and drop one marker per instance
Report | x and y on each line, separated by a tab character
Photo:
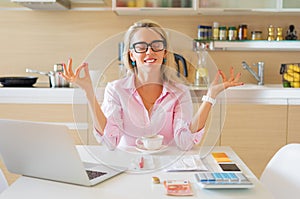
206	7
255	132
222	7
293	135
155	7
51	113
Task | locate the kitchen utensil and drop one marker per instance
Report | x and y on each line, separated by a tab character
18	81
55	79
178	59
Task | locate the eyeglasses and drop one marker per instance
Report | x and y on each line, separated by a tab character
142	47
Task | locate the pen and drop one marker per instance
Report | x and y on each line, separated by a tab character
141	163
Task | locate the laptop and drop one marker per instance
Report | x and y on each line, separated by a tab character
47	151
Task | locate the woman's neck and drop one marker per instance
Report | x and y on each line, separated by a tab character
142	79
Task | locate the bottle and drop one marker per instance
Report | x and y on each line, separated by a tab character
256	35
243	32
279	36
201	32
271	33
215	31
140	3
201	73
232	33
222	33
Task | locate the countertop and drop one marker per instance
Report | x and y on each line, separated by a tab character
248	93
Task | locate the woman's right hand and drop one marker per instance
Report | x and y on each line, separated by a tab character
83	82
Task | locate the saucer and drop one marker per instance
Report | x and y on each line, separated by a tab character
144	150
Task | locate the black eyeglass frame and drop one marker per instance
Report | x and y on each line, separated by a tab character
149	44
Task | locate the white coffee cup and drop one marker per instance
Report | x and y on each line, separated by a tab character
150	143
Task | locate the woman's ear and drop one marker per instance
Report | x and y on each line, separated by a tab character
131	56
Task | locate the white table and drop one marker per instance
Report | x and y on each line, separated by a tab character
130	185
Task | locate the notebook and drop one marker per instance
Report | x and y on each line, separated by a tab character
47	151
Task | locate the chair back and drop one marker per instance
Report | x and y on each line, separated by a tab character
3	182
282	174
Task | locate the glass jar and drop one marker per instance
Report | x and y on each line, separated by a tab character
222	33
215	31
242	32
232	33
201	32
256	35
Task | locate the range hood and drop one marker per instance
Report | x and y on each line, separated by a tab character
45	4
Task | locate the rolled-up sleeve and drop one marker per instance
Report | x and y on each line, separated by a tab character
112	109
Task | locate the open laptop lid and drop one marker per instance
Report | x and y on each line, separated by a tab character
40	150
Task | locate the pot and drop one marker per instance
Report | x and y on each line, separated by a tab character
55	79
18	81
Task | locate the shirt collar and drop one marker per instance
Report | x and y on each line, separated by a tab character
129	84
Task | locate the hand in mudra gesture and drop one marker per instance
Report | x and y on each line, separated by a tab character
84	81
216	87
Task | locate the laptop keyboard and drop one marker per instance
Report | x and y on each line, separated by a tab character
94	174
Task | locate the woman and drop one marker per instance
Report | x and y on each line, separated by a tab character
150	100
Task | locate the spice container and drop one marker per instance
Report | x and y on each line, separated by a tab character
256	35
271	33
215	31
242	32
279	36
201	32
222	33
232	33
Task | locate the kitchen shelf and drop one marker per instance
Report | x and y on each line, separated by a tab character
257	45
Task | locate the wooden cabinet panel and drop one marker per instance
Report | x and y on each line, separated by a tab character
255	132
293	134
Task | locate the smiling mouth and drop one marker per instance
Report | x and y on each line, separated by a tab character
149	61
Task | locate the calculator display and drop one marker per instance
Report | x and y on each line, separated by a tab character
229	167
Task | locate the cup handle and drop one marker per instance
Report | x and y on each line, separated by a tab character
139	143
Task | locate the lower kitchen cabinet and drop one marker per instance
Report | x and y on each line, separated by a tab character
255	132
65	114
293	134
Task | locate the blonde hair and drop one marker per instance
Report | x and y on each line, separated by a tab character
168	68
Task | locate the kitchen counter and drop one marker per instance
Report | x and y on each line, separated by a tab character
248	93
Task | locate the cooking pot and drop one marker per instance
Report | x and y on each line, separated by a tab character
55	79
18	81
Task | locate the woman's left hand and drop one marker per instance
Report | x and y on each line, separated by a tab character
216	87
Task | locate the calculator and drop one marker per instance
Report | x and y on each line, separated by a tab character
223	180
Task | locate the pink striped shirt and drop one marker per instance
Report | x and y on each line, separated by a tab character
128	119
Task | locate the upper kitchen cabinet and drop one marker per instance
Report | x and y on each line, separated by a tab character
231	7
55	5
155	7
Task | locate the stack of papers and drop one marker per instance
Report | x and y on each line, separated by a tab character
188	163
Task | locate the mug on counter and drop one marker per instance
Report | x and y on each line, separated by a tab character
150	143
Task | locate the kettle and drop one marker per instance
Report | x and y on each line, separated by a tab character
180	60
55	79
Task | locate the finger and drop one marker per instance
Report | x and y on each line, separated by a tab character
69	68
237	77
231	78
65	77
78	70
86	70
223	75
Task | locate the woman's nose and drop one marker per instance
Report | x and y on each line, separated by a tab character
149	50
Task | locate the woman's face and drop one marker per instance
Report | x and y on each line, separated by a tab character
147	57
